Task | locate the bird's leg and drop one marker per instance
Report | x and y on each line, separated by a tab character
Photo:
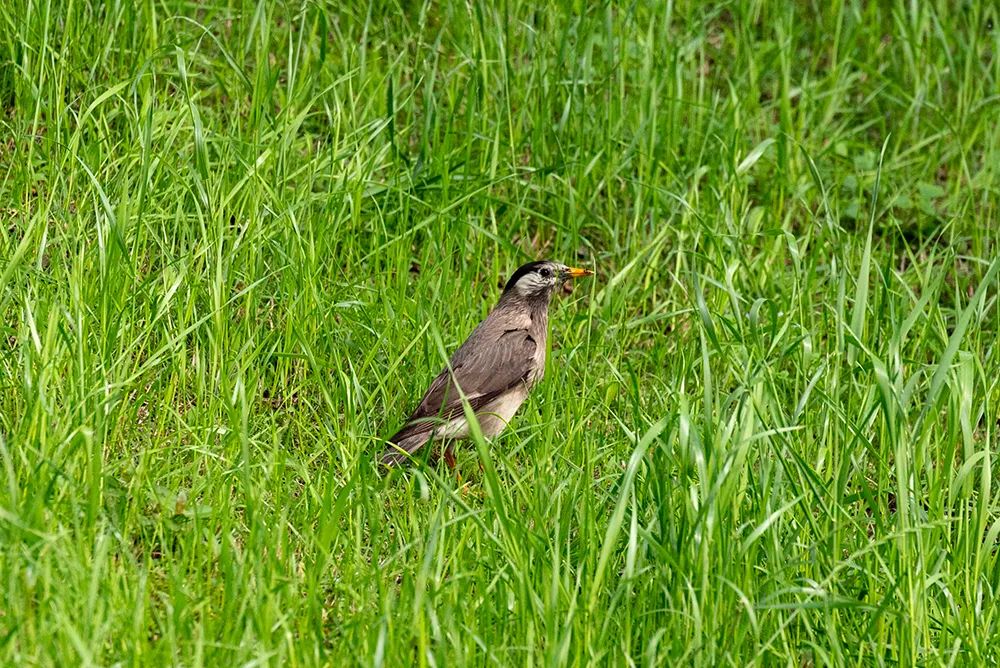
449	459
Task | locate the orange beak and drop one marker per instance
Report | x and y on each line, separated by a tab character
574	272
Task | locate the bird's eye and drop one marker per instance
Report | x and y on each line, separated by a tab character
546	273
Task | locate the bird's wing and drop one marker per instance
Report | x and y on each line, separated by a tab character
483	369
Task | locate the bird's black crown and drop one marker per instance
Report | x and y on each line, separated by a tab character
525	269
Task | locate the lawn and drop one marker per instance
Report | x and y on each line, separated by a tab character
237	240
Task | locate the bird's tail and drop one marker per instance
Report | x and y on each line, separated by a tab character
406	441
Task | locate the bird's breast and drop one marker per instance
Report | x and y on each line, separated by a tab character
538	330
537	364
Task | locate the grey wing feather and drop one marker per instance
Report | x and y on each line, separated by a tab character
484	369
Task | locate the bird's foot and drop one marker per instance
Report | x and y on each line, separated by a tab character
449	459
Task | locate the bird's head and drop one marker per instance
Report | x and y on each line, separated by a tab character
537	280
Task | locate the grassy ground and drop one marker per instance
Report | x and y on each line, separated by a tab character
237	240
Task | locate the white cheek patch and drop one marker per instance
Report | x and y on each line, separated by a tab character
529	284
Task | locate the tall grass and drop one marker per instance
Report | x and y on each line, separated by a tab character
237	240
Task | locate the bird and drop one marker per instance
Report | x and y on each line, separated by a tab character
495	368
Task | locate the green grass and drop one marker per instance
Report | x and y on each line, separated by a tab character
236	242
